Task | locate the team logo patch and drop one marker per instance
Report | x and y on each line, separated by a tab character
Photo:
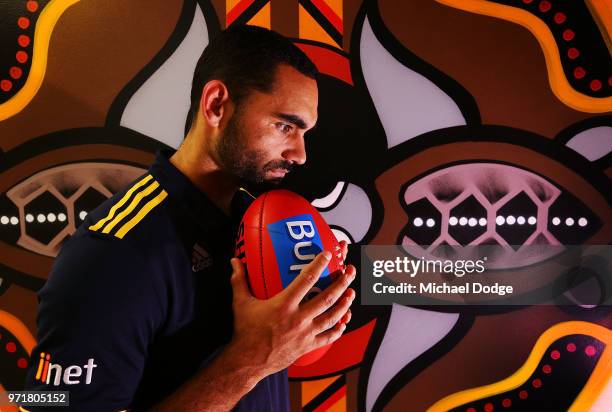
200	258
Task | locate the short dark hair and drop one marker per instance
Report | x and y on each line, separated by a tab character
245	58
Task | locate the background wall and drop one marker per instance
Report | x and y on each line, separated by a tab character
429	109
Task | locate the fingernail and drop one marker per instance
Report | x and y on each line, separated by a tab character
327	255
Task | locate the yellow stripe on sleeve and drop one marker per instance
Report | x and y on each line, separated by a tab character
131	207
141	214
124	199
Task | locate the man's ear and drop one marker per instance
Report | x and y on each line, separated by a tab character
213	103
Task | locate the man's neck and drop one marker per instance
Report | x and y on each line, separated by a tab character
195	162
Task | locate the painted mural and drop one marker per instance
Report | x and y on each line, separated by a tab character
440	122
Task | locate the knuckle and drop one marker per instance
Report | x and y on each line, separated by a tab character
310	276
328	299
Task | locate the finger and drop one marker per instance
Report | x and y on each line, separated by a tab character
240	285
330	318
344	249
326	299
307	278
329	336
347	317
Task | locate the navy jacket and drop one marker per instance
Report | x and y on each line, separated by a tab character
139	299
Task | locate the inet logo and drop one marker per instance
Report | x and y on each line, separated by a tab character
46	369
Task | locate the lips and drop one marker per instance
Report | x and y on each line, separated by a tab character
278	172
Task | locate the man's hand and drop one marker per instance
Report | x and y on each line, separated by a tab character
271	334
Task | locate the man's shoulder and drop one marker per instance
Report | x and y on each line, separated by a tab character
136	217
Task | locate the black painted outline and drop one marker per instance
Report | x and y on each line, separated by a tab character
324	395
185	20
250	12
453	89
320	18
423	361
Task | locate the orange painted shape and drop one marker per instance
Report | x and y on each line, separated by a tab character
556	76
18	329
335	403
597	381
601	11
311	389
262	18
45	25
311	30
235	8
337	6
330	14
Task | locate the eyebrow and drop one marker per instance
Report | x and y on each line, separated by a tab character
292	118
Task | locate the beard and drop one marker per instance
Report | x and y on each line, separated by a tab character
248	166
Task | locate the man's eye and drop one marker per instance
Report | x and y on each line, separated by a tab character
284	127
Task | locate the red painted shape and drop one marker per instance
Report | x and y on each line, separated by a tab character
568	34
22	363
595	85
6	85
15	72
544	6
21	56
328	403
346	352
573	52
329	14
32	6
237	10
328	62
536	383
579	72
23	22
523	394
23	40
590	350
506	403
560	17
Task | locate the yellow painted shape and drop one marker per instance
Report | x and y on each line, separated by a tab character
42	34
311	389
311	30
556	77
262	18
587	396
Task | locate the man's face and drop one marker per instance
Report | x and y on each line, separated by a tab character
264	138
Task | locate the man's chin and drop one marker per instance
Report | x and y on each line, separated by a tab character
261	186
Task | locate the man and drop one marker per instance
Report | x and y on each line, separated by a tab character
137	312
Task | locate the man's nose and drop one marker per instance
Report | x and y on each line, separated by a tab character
297	151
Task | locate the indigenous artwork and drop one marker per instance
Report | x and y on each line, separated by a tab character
441	122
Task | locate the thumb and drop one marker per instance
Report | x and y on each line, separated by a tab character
239	281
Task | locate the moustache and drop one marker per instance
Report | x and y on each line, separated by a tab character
279	164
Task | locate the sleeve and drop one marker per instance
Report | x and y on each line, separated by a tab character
97	314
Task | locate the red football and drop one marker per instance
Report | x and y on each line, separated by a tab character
280	233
